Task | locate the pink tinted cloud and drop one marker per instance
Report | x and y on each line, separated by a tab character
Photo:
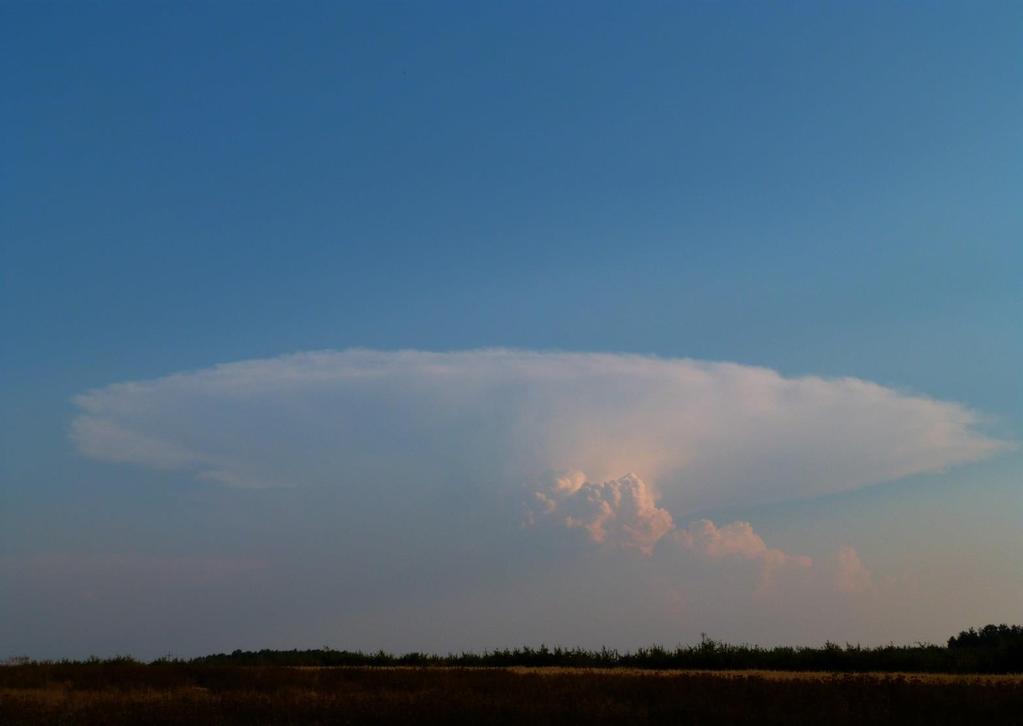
738	541
851	575
620	511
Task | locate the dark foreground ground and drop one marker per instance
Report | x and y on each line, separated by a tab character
177	694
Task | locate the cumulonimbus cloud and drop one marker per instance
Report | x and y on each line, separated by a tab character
703	435
410	467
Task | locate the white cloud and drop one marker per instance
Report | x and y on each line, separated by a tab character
705	435
103	438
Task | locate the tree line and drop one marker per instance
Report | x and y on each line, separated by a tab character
989	649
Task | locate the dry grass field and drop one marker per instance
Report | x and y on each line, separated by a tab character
186	693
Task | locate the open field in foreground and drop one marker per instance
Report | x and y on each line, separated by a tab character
183	693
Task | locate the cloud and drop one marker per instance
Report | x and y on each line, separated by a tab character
620	511
705	435
103	438
738	541
851	575
734	540
623	512
388	487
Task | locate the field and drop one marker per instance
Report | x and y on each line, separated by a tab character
126	692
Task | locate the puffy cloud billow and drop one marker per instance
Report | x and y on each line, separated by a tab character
735	540
624	512
738	540
621	510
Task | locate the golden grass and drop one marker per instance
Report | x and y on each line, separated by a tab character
778	675
222	695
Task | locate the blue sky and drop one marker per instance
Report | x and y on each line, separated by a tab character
819	190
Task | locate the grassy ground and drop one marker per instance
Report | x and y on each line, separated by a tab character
184	693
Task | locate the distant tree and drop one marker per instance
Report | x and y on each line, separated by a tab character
989	636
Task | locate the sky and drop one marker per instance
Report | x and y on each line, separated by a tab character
444	326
